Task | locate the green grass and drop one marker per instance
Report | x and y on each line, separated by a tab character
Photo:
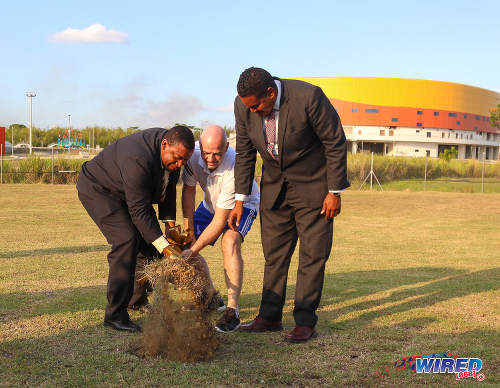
410	274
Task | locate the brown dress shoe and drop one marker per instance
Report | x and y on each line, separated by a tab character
300	334
260	324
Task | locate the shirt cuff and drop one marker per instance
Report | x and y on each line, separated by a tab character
241	197
167	220
336	191
160	244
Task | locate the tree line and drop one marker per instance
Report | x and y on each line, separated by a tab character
93	136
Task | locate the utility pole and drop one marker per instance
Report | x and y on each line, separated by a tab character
30	96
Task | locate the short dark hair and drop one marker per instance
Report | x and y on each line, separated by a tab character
180	134
255	81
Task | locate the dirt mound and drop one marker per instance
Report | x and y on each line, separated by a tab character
179	325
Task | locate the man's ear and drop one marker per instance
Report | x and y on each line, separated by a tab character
227	145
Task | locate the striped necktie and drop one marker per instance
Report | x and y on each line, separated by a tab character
164	185
271	133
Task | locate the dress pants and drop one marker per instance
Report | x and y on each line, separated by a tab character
290	219
127	248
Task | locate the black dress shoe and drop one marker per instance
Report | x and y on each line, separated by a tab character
122	325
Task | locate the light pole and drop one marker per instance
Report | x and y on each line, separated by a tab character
30	96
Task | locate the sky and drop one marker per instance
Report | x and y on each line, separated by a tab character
155	63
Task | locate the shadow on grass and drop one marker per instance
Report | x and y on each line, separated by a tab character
343	294
22	305
51	251
424	287
421	287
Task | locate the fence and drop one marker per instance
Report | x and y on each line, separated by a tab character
417	174
393	173
49	165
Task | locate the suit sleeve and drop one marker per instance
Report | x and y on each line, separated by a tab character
137	183
327	126
167	209
246	153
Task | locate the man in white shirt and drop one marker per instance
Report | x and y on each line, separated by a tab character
212	167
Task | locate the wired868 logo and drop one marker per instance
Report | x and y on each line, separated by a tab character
439	363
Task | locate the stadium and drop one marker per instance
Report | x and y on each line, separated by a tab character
413	117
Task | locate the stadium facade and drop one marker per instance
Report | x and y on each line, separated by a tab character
413	117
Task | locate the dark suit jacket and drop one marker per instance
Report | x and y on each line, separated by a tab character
311	146
131	170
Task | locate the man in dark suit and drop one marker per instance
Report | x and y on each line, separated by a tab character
118	189
298	134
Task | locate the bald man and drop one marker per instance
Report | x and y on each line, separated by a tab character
212	167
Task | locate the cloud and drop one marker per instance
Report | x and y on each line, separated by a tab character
175	108
96	33
224	109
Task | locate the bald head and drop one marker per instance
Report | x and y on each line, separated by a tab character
213	136
213	146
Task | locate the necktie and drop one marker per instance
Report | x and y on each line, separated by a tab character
164	185
271	133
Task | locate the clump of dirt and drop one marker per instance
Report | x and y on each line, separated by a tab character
179	325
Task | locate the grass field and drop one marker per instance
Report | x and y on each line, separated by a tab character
410	274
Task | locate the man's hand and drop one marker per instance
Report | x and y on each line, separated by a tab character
168	225
331	206
234	217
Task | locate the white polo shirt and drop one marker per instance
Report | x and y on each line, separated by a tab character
218	185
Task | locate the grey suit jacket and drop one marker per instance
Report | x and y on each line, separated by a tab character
131	171
311	145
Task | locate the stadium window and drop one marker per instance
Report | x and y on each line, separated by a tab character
382	132
452	115
427	153
436	113
391	133
442	134
371	110
456	135
461	136
354	110
458	122
394	119
416	150
419	124
419	112
428	134
417	130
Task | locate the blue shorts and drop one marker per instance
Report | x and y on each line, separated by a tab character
203	217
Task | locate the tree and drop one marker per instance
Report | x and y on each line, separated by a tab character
21	133
448	154
495	116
